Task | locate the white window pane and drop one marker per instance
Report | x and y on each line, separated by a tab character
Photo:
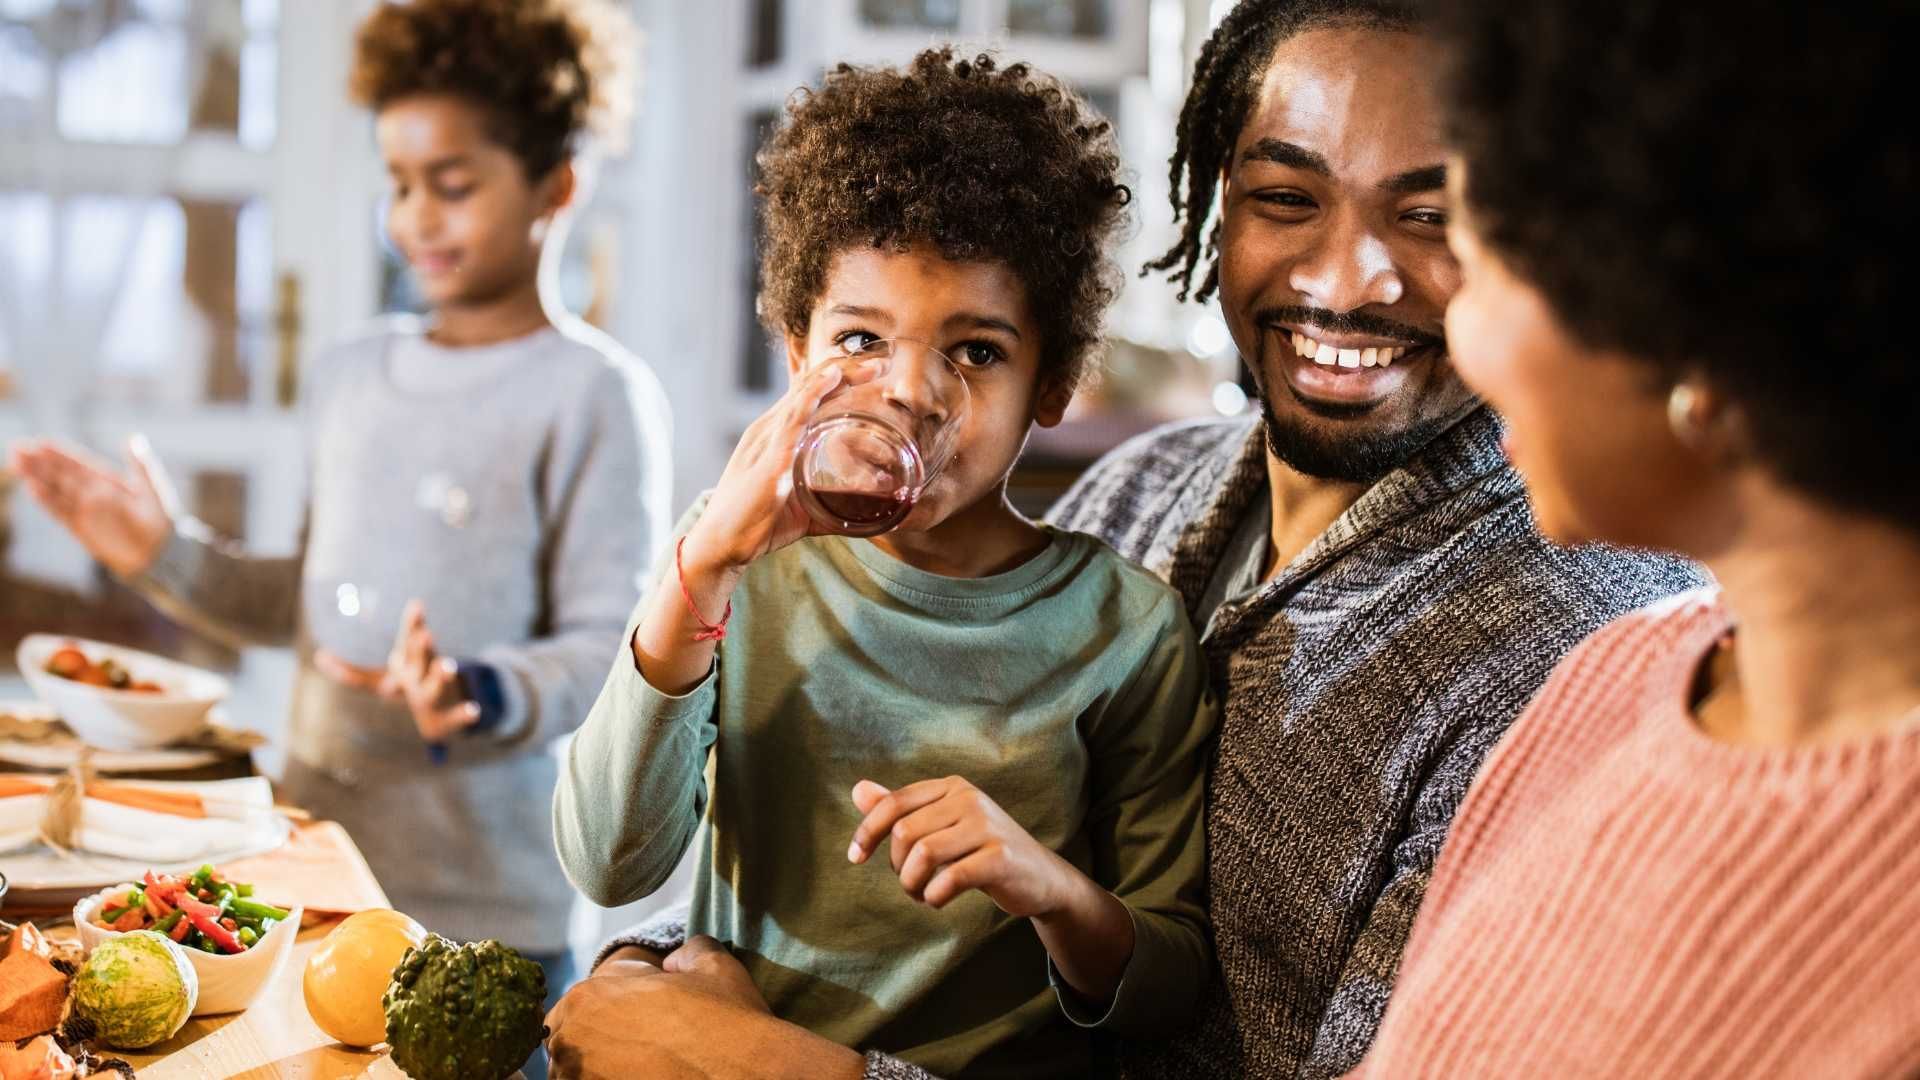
163	10
911	14
26	220
23	77
150	322
259	69
254	285
1059	18
260	14
25	9
132	87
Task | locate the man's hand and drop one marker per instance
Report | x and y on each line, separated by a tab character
416	676
696	1016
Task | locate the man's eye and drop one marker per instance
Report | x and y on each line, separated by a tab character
455	194
979	354
1435	218
1292	200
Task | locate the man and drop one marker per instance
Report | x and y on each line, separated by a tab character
1376	603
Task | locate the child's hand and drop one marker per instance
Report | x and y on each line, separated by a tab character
752	510
946	836
121	518
416	676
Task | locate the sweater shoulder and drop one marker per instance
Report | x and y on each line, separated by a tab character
1134	496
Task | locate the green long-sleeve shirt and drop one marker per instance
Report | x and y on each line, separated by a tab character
1070	690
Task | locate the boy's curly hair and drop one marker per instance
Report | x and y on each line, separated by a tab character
980	161
546	72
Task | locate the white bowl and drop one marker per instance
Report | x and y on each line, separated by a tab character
123	719
228	982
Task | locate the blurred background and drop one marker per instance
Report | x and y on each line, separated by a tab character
188	214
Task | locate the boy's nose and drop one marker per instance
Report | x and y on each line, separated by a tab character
923	382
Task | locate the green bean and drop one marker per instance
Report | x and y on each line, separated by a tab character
247	935
169	922
254	909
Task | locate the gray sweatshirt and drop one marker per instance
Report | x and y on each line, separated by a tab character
519	490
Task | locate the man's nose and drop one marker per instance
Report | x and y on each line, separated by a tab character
1349	267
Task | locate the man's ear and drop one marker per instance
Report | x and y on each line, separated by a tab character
1051	404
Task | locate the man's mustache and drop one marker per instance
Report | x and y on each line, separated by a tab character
1348	322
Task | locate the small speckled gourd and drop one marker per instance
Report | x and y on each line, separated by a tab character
464	1012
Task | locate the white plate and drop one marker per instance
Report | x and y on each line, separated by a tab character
60	750
37	868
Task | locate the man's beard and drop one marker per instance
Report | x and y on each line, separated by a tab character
1323	451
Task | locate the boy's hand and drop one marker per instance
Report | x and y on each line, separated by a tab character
946	837
416	676
752	510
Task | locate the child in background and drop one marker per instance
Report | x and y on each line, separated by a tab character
1010	717
498	459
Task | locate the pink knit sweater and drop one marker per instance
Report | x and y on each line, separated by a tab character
1622	896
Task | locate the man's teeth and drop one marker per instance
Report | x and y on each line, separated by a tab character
1328	356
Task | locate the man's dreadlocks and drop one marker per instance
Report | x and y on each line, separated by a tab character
1228	73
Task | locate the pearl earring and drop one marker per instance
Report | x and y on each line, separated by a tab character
1683	405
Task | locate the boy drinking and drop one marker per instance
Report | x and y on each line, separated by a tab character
962	759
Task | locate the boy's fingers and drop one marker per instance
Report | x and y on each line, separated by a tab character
890	809
932	852
957	877
926	821
866	793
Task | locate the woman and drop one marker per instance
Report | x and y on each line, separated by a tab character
1695	855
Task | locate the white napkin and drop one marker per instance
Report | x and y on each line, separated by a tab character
239	814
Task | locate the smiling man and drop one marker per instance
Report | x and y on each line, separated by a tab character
1376	603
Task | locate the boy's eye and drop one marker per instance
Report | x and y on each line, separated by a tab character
455	192
855	342
978	354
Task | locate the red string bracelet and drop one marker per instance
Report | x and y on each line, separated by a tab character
712	631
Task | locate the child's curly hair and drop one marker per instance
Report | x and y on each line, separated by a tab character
546	72
979	161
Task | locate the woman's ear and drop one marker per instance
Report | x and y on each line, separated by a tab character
1050	407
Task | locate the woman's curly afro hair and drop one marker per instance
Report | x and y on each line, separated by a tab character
546	72
1680	194
982	162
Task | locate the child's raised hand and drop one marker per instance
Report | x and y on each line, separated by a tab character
946	837
752	510
416	676
122	519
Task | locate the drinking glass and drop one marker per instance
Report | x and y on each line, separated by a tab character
881	436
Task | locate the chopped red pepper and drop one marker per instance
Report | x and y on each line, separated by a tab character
180	930
206	919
